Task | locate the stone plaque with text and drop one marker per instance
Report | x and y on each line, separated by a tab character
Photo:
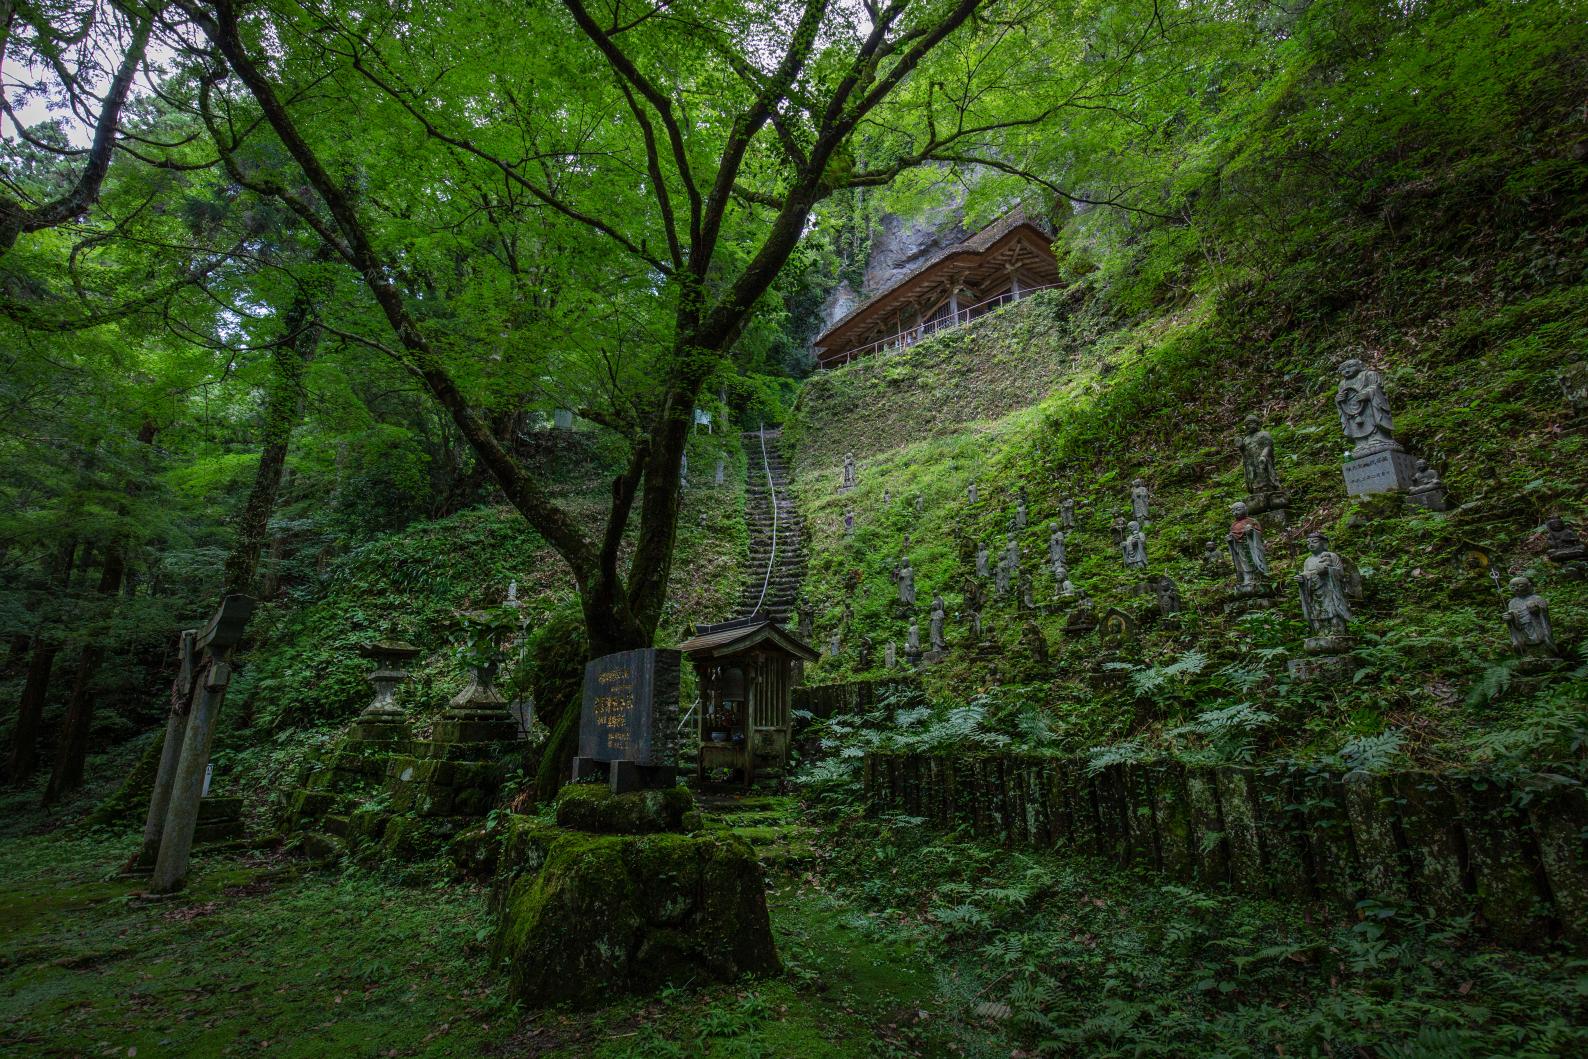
629	711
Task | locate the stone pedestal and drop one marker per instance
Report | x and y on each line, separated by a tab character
1431	497
1245	599
383	721
1328	657
1273	503
616	898
1384	470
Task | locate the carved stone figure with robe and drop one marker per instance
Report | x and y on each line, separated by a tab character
906	584
939	612
1322	582
1139	500
1055	545
1364	408
1527	616
1247	552
849	470
981	561
1134	547
1256	446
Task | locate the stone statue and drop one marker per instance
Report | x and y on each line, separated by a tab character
1134	547
1061	578
920	504
1020	508
832	644
887	497
1427	489
1035	644
1067	513
1245	544
1211	559
912	641
1027	600
1564	544
1012	554
1322	582
863	653
970	491
1527	616
974	599
807	617
1168	596
1256	446
906	584
848	616
849	522
1082	619
1138	500
1117	530
1055	545
1573	381
849	471
890	655
939	612
981	560
1364	408
1002	576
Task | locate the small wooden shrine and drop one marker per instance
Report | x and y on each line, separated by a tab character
747	669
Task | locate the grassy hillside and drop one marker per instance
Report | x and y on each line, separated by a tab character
1471	373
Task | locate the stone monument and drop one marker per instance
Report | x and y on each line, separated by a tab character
1002	577
628	720
863	654
849	522
1117	530
722	468
1324	591
912	644
1082	620
1055	545
1061	581
1565	546
981	560
1377	463
1067	513
890	655
970	492
805	614
939	612
1527	617
1020	508
833	644
1167	594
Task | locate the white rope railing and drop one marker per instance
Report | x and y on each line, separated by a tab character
910	336
771	492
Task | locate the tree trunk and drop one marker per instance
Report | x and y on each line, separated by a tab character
30	709
283	410
72	747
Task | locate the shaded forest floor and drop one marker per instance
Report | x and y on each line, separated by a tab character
895	941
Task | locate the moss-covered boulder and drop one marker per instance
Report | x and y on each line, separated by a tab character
594	808
585	917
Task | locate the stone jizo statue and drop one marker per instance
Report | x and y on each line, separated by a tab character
849	522
1564	544
1168	596
1364	408
981	560
890	655
1139	500
887	497
1427	489
1134	547
906	584
863	653
939	612
832	644
849	471
912	642
1210	556
1247	552
1322	583
920	504
1055	545
1527	616
1002	577
1067	513
1012	553
1027	598
1061	579
1256	446
970	492
1117	530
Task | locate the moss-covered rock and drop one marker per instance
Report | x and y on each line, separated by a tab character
594	808
588	916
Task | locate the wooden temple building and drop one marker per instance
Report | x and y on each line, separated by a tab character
1004	261
747	670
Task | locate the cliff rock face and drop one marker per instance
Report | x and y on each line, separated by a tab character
899	246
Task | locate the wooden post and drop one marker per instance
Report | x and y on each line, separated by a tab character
187	787
170	754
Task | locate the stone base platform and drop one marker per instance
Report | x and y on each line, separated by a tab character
1387	470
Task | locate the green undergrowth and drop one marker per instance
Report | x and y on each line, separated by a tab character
1074	957
1471	376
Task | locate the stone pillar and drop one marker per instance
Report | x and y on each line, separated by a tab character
170	756
170	869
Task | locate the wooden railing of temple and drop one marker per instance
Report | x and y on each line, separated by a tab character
909	337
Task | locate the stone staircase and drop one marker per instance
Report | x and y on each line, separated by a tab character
788	565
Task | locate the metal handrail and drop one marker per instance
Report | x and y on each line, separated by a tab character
911	335
771	491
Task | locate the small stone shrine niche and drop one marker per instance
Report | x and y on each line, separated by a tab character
747	671
628	720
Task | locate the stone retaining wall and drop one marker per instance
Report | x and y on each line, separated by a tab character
1514	853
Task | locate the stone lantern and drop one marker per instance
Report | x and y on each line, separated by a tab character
383	721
